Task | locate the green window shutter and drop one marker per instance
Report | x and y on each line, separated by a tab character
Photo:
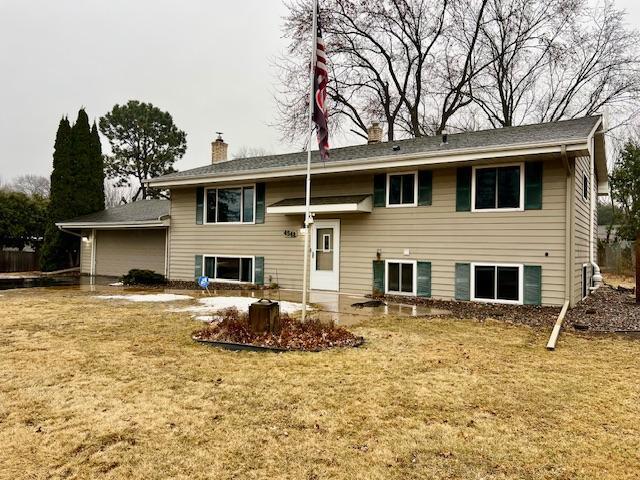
378	277
260	202
532	285
199	205
533	186
198	268
425	180
380	190
463	281
424	279
259	271
463	189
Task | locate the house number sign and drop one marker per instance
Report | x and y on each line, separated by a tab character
290	234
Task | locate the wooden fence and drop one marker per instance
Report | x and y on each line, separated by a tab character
14	261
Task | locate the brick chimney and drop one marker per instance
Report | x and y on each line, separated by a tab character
219	150
374	133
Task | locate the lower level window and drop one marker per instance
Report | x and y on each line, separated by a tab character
401	277
585	290
500	283
229	269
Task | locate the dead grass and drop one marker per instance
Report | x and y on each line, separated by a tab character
90	389
616	280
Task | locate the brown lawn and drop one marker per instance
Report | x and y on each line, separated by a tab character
96	389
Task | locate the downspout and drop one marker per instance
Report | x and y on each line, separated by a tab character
568	223
596	278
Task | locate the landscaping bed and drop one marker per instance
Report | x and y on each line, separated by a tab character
532	315
311	335
608	309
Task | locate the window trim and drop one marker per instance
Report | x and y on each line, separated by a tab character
241	187
224	280
413	293
497	300
415	189
499	165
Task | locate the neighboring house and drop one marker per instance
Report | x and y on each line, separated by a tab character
505	215
120	238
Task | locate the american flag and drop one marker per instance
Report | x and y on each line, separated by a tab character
320	79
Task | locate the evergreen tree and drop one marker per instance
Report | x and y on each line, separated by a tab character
77	188
58	245
98	169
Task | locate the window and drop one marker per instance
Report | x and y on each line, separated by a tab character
585	290
496	283
585	186
402	189
401	277
498	188
231	205
229	269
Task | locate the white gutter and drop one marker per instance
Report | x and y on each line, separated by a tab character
384	162
149	224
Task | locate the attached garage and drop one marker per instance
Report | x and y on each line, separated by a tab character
118	239
118	251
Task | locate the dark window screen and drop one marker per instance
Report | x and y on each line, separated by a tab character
211	206
210	267
395	189
509	187
485	282
408	188
486	188
508	283
394	277
247	204
229	204
247	270
407	277
228	268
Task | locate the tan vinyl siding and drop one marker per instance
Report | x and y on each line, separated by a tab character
118	251
435	233
581	226
85	252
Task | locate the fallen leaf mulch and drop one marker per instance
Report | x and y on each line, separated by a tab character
606	310
311	335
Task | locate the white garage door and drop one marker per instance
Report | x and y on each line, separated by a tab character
118	251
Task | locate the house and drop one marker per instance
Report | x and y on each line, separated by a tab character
505	215
120	238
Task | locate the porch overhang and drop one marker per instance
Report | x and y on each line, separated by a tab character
336	204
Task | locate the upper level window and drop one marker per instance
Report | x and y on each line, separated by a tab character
498	188
585	186
402	189
231	205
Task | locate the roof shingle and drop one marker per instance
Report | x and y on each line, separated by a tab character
562	131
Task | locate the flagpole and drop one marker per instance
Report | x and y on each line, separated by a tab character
308	220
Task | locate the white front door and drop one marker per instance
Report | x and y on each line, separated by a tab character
325	255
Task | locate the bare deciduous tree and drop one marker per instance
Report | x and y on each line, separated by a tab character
115	194
425	66
552	60
31	185
248	152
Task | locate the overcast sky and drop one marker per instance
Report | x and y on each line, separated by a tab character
207	62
